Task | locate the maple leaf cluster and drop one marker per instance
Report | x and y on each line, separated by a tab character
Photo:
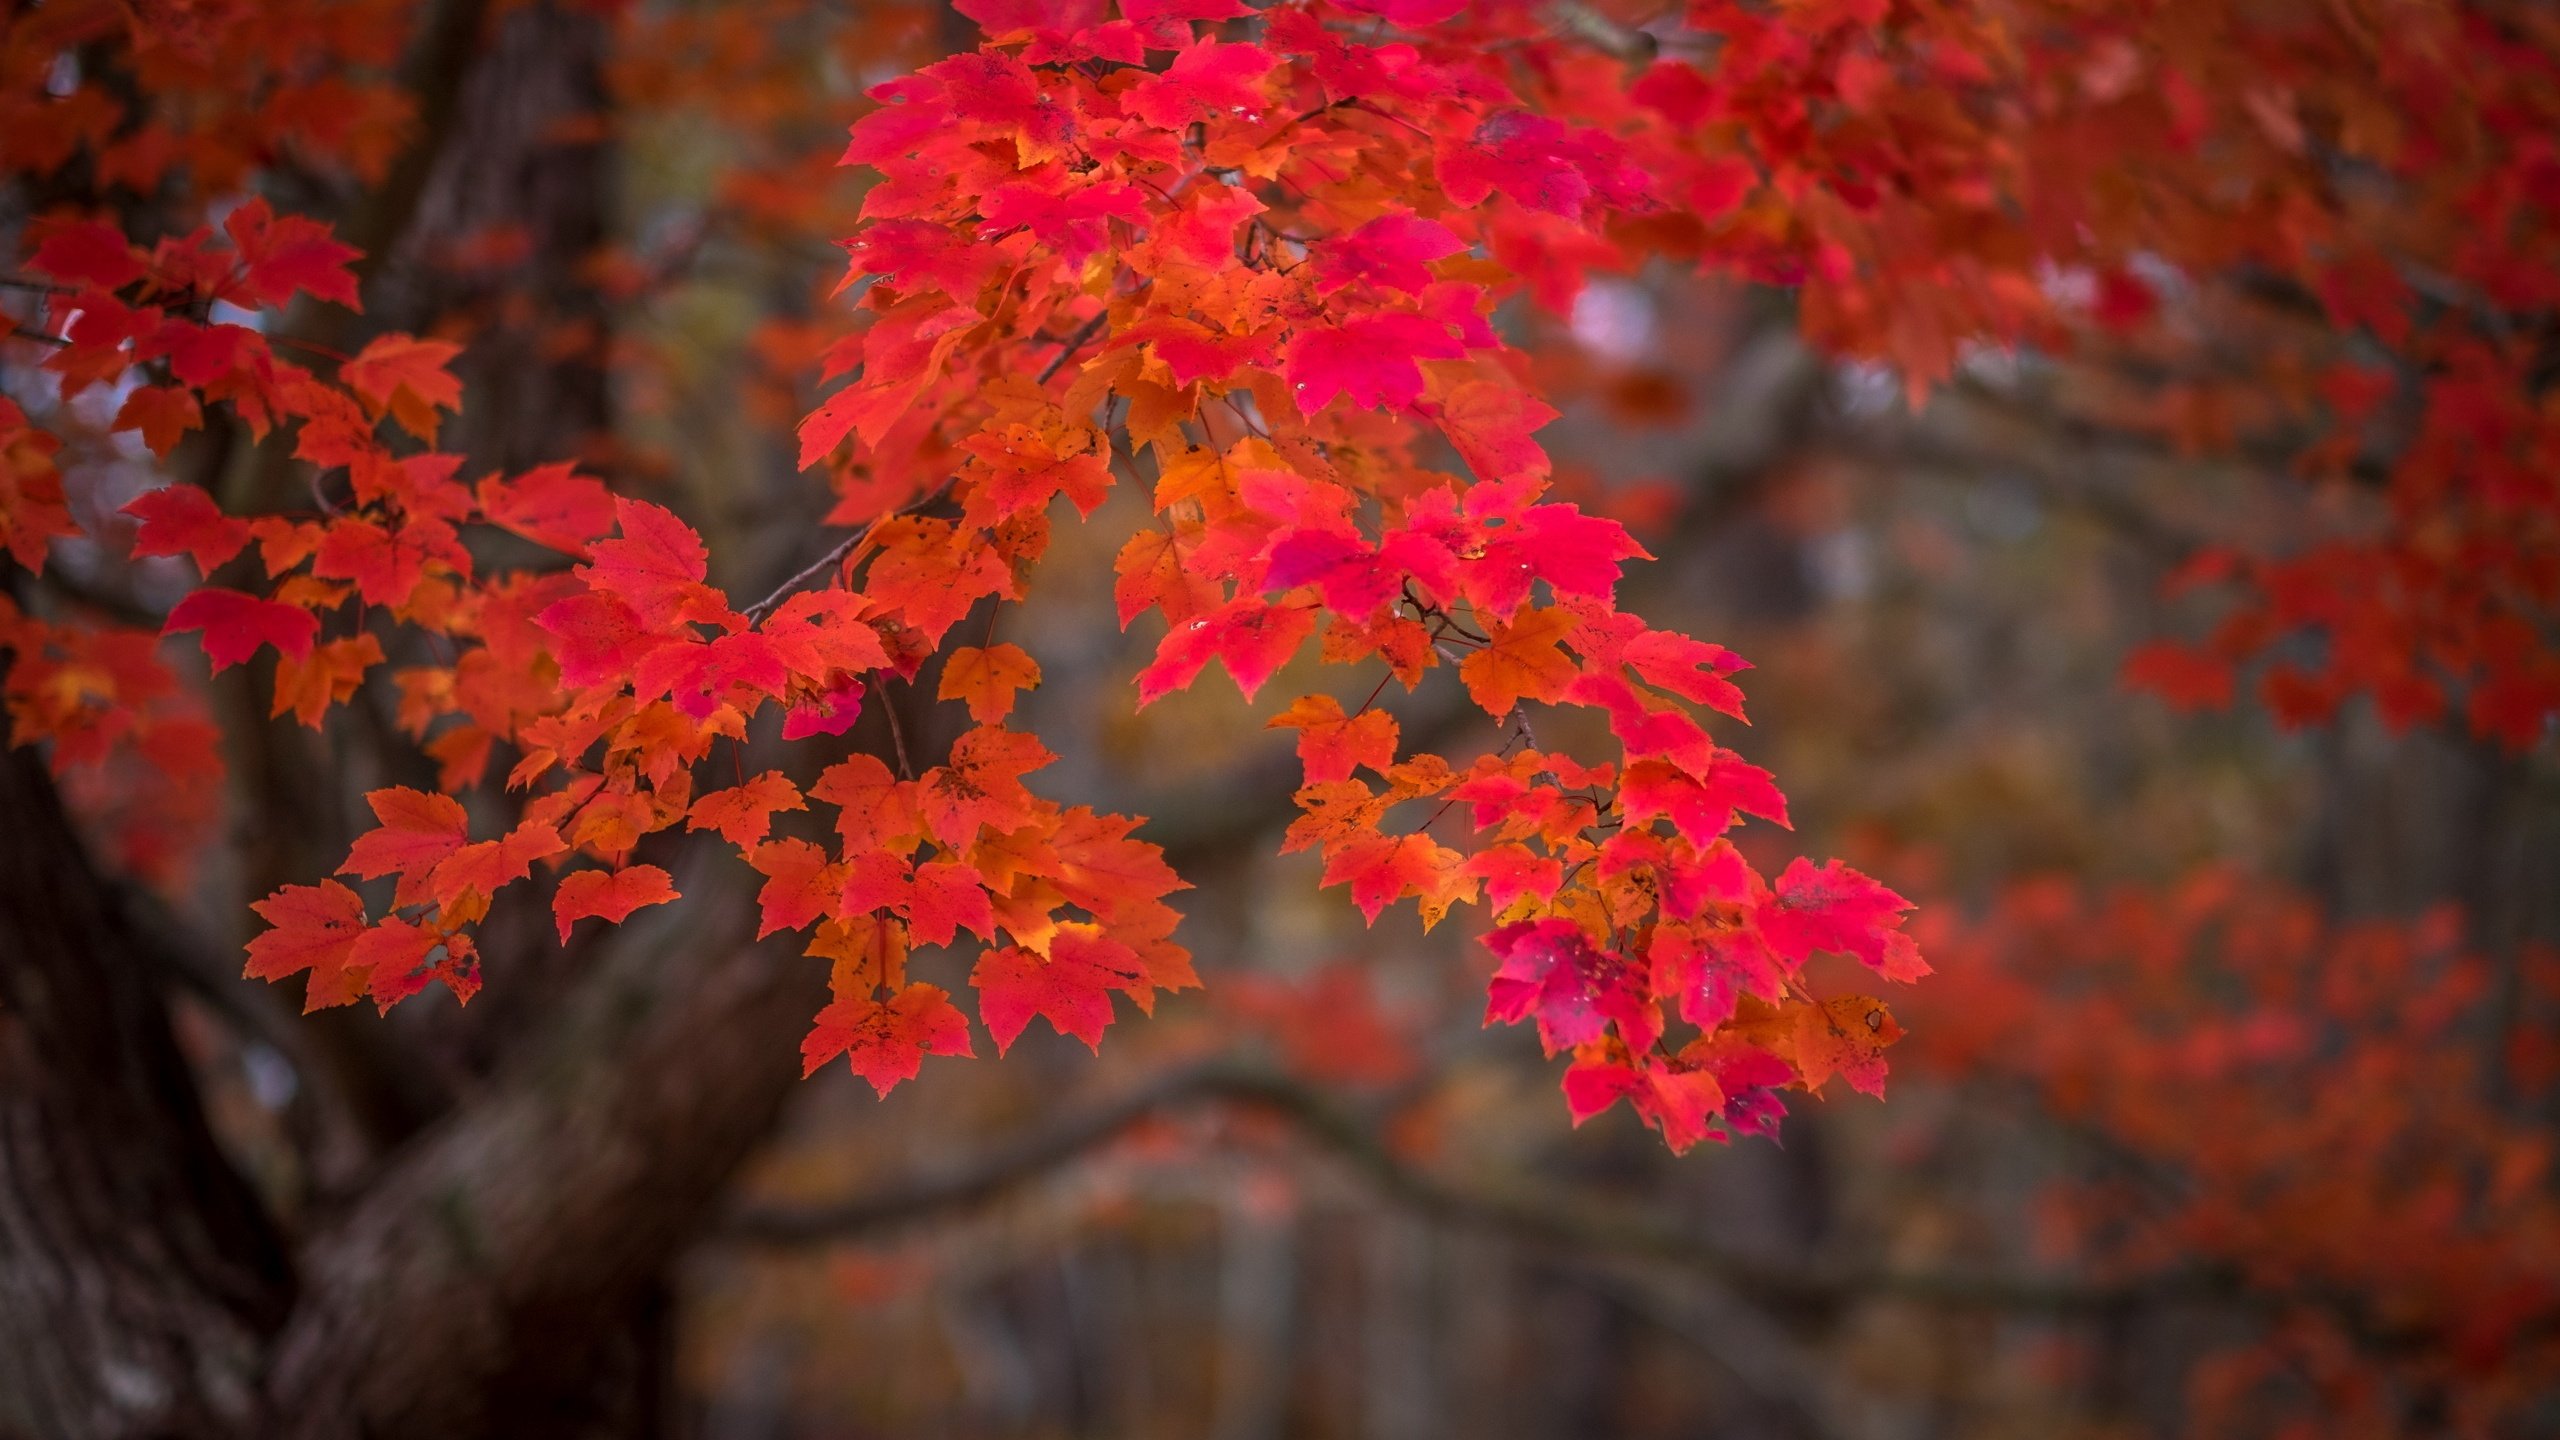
1284	256
1260	280
609	680
2157	190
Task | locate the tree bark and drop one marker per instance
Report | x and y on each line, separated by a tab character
139	1277
477	1283
472	1289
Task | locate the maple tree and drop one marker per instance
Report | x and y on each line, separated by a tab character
1247	285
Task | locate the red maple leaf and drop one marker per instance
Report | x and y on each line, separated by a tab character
1149	574
488	866
987	679
183	520
828	711
1538	162
1017	475
329	675
1074	223
405	377
1706	970
392	957
1681	1102
1067	989
981	786
86	252
700	674
800	885
1552	972
878	810
923	255
235	625
946	897
162	413
1254	639
1393	252
1492	427
1576	554
743	813
1192	352
1701	809
1002	93
610	895
1210	79
1847	1037
1203	229
283	254
886	1041
1691	669
903	352
550	505
597	639
655	566
1512	871
1835	908
1332	744
1372	358
1382	869
384	566
417	831
1352	578
315	926
936	899
1520	662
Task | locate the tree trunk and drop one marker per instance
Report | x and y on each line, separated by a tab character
483	1277
139	1278
473	1289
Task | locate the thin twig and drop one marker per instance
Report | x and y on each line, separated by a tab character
835	556
758	611
897	733
1072	344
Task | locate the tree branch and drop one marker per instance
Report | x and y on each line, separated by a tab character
836	555
475	1279
1522	1212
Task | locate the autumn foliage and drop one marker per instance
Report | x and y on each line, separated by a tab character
1249	286
1258	282
2315	1169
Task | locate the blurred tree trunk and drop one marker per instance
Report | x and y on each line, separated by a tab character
139	1277
521	199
